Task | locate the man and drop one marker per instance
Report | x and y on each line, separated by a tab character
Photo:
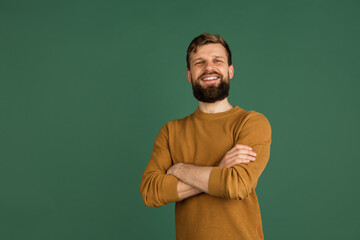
209	162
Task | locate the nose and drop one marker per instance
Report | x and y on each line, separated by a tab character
209	66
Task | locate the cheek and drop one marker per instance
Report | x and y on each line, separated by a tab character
196	73
226	71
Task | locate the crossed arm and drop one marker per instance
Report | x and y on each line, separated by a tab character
235	177
194	179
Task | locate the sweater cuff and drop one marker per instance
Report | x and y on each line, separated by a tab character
214	182
170	193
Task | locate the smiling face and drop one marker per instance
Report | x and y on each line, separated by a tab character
210	73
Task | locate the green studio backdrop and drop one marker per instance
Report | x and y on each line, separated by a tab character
85	86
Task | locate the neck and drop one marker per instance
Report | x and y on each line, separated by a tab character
216	107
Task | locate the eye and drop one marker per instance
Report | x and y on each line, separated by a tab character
201	62
217	60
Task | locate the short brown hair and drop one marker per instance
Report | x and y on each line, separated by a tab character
203	39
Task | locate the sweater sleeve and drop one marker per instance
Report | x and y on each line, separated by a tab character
239	181
158	188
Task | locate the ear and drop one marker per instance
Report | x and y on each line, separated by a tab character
188	75
231	71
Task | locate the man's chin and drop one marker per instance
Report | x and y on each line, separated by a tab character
211	92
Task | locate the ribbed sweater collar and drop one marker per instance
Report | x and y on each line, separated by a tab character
200	114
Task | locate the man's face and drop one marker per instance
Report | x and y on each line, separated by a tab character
210	73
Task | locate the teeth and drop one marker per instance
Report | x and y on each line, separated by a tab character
209	78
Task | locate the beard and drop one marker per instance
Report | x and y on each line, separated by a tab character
211	93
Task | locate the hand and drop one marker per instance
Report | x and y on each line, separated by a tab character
238	154
173	169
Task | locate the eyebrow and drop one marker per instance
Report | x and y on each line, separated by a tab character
212	56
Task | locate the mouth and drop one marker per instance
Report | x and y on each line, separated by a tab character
210	79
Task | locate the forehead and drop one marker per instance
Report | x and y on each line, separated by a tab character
209	50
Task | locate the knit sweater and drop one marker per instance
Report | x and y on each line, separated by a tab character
230	210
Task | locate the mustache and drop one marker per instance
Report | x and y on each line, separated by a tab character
210	73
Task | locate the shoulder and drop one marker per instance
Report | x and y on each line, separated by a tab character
245	117
178	122
170	126
254	122
253	128
256	116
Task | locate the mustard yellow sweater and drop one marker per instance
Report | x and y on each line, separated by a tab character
231	209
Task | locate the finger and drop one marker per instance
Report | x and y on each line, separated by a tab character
233	149
239	147
240	160
242	152
235	160
237	155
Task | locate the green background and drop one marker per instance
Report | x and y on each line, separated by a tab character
85	86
